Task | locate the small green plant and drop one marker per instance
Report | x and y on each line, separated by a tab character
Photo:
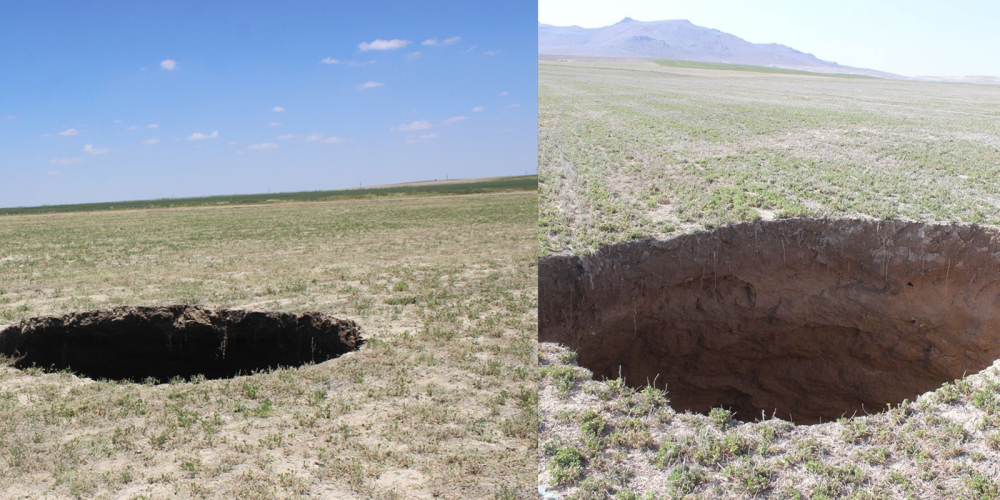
669	454
684	479
190	465
720	418
564	377
263	408
993	441
980	487
748	476
566	466
567	357
272	440
250	389
591	424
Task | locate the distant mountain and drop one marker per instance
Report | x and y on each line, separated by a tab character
679	40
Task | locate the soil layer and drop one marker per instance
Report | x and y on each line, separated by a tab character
165	342
802	319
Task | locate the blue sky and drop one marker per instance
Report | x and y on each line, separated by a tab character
125	100
916	37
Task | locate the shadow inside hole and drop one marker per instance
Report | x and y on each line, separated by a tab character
136	343
801	319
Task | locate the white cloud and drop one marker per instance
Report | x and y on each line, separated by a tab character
265	145
503	93
454	119
492	52
417	125
239	152
232	143
92	150
118	121
11	117
278	109
320	137
133	127
153	140
274	124
286	136
169	64
478	109
370	85
71	131
429	136
153	125
380	44
513	106
329	60
447	41
65	161
413	55
197	136
470	49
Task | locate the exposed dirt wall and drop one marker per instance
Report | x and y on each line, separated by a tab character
803	319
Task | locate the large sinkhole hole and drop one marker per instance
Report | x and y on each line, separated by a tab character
801	319
136	343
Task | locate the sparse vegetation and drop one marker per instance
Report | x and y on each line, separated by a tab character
646	149
440	402
633	149
906	451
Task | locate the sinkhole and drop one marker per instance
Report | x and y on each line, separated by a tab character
805	320
136	343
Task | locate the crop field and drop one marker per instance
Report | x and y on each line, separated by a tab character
632	150
629	149
439	402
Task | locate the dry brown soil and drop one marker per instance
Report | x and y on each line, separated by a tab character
804	319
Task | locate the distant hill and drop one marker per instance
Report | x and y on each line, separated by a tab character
680	40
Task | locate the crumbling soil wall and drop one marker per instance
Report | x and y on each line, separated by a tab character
165	342
802	319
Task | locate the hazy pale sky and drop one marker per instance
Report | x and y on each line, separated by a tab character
122	100
917	37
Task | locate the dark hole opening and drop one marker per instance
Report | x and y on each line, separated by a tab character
801	319
136	343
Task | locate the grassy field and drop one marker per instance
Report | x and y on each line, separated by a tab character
495	185
674	63
637	149
440	402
